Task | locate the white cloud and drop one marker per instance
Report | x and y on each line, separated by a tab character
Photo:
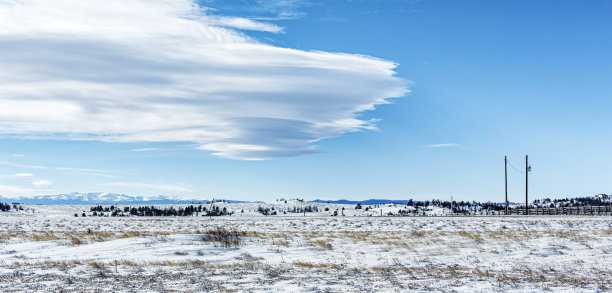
144	150
442	145
163	187
24	175
42	183
164	71
244	24
17	175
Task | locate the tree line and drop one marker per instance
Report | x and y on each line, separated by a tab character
5	207
152	211
296	210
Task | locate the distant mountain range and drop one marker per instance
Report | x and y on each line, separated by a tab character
102	198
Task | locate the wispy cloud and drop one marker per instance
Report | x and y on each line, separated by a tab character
18	175
442	145
161	71
16	191
267	10
24	175
83	171
144	149
162	187
42	183
78	169
99	174
244	24
18	165
88	171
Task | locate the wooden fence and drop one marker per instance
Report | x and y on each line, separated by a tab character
582	210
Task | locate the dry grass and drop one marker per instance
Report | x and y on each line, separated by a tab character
399	275
45	236
97	265
310	265
476	236
320	243
280	242
76	237
245	256
75	241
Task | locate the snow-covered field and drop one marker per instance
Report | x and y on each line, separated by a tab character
47	249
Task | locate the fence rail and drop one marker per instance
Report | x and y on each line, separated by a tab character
581	210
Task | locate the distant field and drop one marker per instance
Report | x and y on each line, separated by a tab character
51	250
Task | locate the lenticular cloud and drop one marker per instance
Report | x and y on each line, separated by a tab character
164	70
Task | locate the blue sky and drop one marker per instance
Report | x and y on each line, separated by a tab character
257	100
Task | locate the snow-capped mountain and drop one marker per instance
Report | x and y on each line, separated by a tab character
100	198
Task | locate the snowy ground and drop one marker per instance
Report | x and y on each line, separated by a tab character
51	250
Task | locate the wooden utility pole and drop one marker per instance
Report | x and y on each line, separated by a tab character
526	185
506	174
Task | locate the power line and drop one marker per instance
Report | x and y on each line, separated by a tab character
522	172
531	187
515	169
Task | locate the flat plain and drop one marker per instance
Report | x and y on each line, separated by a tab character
47	248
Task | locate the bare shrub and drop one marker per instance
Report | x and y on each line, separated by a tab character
157	238
223	237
